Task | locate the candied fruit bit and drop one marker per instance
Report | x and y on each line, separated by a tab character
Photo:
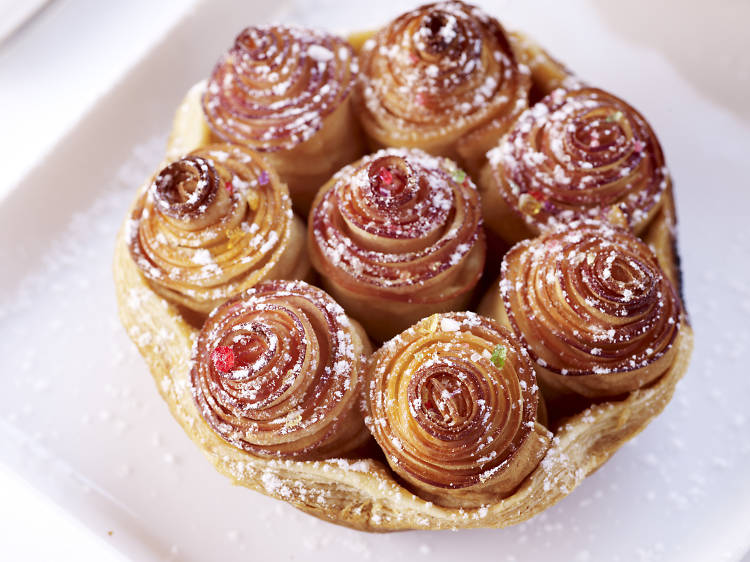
639	145
253	200
537	194
616	216
223	358
432	324
529	205
499	354
229	186
385	176
264	178
458	175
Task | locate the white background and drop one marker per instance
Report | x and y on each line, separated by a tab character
53	66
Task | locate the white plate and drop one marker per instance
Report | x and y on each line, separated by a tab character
81	419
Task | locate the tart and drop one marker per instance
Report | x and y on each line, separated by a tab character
459	420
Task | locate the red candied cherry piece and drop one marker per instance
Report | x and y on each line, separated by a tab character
385	176
537	194
223	358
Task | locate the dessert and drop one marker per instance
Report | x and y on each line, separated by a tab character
397	236
273	387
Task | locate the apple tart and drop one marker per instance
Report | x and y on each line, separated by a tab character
478	421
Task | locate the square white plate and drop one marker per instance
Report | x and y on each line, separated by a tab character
81	419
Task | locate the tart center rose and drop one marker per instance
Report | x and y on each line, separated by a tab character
397	236
395	199
395	219
392	183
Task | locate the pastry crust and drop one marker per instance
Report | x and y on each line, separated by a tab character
547	74
362	492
